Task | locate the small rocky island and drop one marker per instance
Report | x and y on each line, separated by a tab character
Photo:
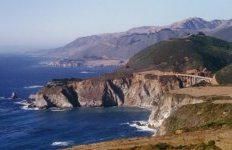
176	79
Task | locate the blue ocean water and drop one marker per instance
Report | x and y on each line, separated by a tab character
53	129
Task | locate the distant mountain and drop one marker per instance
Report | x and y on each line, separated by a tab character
123	45
201	24
197	52
224	33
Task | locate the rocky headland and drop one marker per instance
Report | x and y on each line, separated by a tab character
148	89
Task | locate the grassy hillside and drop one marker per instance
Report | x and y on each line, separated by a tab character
193	52
224	76
200	117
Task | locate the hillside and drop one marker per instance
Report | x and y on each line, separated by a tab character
200	117
183	54
123	45
203	140
223	76
225	34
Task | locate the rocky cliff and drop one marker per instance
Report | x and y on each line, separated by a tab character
165	107
135	90
141	90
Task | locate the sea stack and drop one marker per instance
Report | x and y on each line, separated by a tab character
13	95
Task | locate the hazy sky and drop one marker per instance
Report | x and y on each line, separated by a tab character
51	23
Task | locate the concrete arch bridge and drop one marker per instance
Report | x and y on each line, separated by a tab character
190	80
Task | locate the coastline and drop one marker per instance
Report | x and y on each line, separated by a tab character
176	138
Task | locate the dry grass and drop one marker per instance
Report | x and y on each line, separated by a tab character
222	102
222	137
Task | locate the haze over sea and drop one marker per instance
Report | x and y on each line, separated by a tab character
51	129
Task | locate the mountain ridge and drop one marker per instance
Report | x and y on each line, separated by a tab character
123	45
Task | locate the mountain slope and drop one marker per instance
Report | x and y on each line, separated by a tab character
199	23
125	44
183	54
225	34
113	46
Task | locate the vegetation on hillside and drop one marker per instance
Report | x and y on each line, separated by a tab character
193	52
164	146
224	76
200	117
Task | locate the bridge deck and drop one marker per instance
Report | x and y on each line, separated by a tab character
194	76
156	72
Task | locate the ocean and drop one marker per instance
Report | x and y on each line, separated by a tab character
21	128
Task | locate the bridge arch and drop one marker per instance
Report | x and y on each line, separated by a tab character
190	80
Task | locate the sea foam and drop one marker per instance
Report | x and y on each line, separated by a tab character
23	102
28	108
33	87
62	143
142	127
25	105
85	72
2	98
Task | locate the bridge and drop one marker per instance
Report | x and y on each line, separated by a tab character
187	80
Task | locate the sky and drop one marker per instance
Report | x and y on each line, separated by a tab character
52	23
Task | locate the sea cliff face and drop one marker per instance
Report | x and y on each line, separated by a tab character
136	90
166	106
140	90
